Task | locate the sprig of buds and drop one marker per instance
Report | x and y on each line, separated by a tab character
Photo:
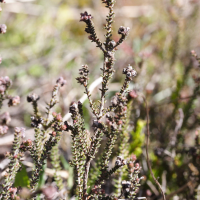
87	18
15	157
83	154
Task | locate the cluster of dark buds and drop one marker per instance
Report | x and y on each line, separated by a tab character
4	121
108	2
120	161
5	83
32	97
124	31
111	45
61	81
130	72
73	107
126	185
13	101
84	75
36	122
85	16
5	118
68	127
97	124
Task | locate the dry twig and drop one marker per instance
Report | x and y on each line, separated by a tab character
147	151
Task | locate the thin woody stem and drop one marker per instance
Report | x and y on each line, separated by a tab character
125	86
147	150
87	168
109	20
90	101
91	153
103	90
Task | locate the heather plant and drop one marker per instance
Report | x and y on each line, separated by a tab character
110	123
5	119
109	127
5	83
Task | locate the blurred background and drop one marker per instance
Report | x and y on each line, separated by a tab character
46	40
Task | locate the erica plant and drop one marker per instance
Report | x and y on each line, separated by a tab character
85	145
110	122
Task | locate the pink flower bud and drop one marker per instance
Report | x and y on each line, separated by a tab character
130	165
54	133
59	117
28	143
54	114
120	122
133	94
133	157
13	190
63	127
137	165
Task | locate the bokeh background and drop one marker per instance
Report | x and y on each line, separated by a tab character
46	40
